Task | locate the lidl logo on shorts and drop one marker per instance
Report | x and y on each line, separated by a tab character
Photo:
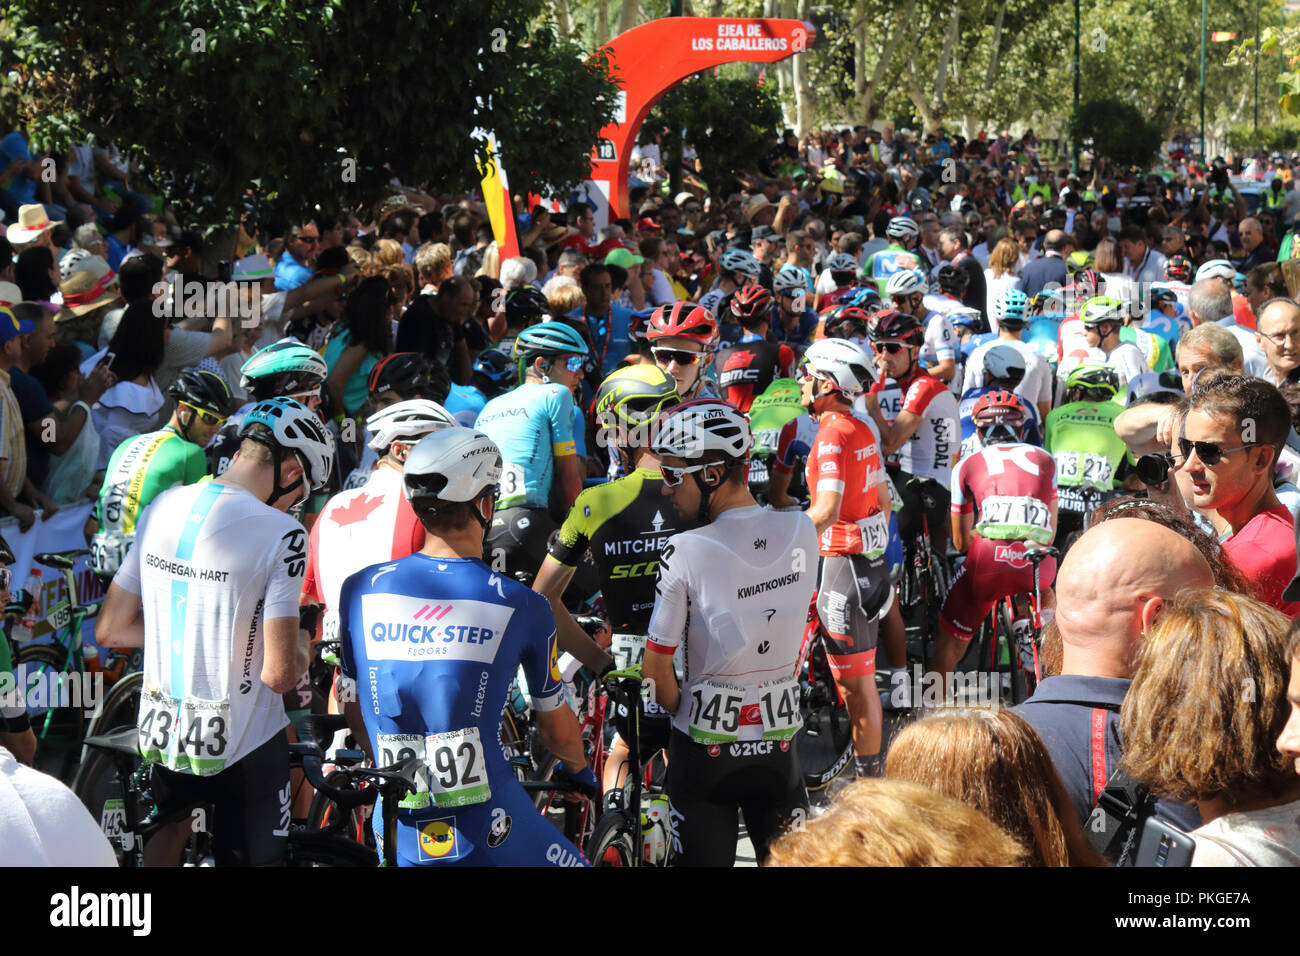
440	841
555	661
403	628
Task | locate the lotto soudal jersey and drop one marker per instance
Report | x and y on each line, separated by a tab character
532	425
845	460
736	592
933	447
358	528
625	523
433	644
211	564
1009	487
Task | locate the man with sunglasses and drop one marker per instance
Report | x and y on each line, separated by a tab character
143	467
682	338
1103	320
747	368
1235	428
294	267
907	290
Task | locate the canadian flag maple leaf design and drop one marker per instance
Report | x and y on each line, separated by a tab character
358	509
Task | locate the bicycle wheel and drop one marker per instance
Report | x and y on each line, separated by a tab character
825	742
325	814
1006	638
325	848
99	787
121	708
611	842
56	699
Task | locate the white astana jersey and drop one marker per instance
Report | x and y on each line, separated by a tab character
211	564
736	592
1035	387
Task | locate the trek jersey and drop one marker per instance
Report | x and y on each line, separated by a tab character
433	644
211	564
140	469
625	523
736	592
1089	454
845	460
532	425
933	447
746	369
358	528
1009	487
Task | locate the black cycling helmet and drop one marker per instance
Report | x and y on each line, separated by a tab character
496	367
952	280
888	325
206	391
526	305
406	373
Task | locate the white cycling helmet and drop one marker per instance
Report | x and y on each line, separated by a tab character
906	282
296	428
452	464
738	260
901	227
696	429
789	280
411	419
1217	269
845	364
69	261
842	262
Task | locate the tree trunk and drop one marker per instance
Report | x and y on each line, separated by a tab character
860	56
602	22
715	8
883	62
997	46
941	72
563	21
912	86
629	15
804	99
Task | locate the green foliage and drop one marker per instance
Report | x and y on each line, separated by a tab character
1118	131
300	103
730	120
1282	136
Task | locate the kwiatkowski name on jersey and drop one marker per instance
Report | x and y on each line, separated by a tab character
771	585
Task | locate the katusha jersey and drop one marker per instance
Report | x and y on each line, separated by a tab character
1009	486
736	592
532	425
211	564
845	459
933	447
358	528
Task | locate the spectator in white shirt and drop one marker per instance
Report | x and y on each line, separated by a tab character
1210	301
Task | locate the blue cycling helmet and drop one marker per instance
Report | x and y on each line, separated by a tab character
293	428
496	367
964	318
548	338
867	298
1010	307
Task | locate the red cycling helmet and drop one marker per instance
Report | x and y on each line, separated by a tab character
683	320
1178	268
999	408
888	325
750	302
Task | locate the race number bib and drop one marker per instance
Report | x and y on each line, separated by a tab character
394	748
627	650
112	820
715	712
455	772
1015	518
896	503
1084	468
766	440
107	550
186	735
875	535
778	705
512	481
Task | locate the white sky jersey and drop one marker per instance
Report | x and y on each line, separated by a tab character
357	528
211	564
1035	387
736	591
1180	289
934	446
940	339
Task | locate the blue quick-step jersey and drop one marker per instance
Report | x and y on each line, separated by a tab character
1033	426
433	644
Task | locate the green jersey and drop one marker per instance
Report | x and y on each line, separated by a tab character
1154	348
140	469
1081	438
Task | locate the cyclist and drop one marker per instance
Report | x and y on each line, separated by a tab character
433	641
1003	499
752	364
374	522
399	377
850	508
623	525
951	284
919	426
1010	309
903	234
210	591
907	291
793	323
1102	321
735	591
843	322
738	269
1004	370
533	425
841	275
492	375
143	467
682	338
1091	458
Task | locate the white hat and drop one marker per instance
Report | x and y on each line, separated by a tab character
1217	269
256	266
32	221
682	198
10	294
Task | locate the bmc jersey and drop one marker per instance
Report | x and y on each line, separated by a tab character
1009	486
845	460
736	592
933	447
746	369
433	644
358	528
211	565
532	425
140	469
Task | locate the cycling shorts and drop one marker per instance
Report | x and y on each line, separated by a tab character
992	570
517	541
250	800
851	591
710	784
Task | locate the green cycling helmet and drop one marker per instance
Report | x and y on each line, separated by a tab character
1102	308
286	367
1094	377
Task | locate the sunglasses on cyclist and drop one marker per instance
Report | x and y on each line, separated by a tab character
211	418
680	356
1208	452
1154	469
893	348
6	579
574	363
673	476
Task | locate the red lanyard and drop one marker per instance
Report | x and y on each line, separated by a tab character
609	328
1098	753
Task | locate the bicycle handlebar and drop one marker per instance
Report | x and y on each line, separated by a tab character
393	782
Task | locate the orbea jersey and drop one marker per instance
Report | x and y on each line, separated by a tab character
140	469
211	565
736	592
845	460
1010	487
532	425
1089	454
933	447
358	528
433	644
625	523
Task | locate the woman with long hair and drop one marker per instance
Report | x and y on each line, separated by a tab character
363	336
131	406
1001	273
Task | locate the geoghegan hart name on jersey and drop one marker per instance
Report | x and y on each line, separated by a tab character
182	569
771	585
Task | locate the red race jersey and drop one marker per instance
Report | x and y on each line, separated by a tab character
1010	486
845	458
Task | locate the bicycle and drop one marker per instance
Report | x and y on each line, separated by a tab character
825	742
923	587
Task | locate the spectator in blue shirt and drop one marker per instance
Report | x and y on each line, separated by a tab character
19	175
301	244
610	325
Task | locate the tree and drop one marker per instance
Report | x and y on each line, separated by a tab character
1118	132
298	103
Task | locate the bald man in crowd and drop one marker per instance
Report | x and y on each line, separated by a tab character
1110	589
